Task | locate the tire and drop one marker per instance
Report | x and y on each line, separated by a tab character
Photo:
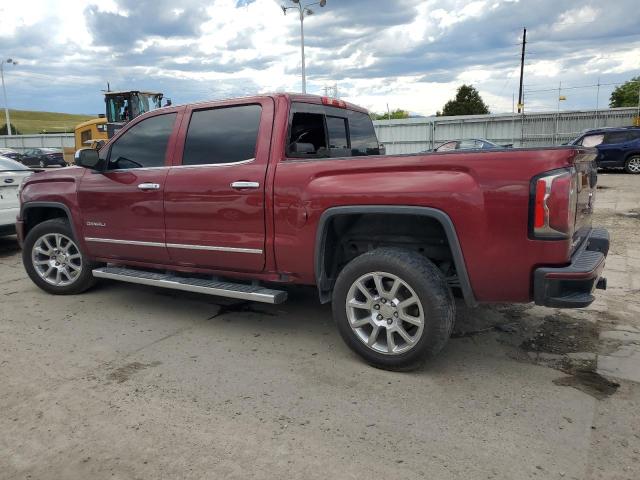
419	280
39	257
632	165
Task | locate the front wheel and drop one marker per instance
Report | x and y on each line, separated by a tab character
632	165
393	308
54	261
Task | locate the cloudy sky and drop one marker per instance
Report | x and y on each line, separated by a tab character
410	54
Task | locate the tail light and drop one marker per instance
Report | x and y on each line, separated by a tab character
554	200
334	102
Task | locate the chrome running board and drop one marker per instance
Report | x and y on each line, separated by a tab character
188	284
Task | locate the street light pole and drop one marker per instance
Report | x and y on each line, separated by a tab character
303	11
9	61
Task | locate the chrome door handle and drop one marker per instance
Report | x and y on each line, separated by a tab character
241	185
149	186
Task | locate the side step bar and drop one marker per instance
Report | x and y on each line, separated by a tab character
198	285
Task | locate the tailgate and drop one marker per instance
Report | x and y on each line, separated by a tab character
587	179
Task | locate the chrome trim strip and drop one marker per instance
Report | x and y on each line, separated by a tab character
175	245
124	242
214	248
229	164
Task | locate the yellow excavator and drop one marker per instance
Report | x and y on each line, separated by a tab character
121	107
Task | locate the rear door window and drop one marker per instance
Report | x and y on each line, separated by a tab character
363	135
222	135
592	140
615	137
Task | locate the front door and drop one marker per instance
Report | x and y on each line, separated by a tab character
122	206
215	192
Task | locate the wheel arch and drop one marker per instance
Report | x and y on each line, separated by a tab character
324	283
33	213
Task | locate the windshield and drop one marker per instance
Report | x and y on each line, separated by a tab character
6	164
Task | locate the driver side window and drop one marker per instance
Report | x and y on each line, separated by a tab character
144	145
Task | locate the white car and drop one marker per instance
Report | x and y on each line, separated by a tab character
12	174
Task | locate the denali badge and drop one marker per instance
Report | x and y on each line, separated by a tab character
96	224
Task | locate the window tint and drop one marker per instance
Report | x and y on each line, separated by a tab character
143	145
222	135
337	130
363	136
616	137
307	135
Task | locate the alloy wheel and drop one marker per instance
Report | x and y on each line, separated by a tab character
385	313
56	259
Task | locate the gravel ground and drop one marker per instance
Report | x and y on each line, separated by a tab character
131	382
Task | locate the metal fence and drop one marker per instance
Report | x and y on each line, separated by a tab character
21	143
413	135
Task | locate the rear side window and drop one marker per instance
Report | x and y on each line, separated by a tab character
323	131
616	137
222	135
144	145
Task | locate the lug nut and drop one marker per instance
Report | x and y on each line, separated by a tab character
395	314
389	321
384	300
379	317
376	307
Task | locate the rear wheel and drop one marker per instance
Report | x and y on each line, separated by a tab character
632	165
54	261
393	308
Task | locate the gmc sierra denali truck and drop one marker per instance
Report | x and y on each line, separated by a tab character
234	198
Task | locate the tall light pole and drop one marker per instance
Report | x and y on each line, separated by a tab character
9	61
304	11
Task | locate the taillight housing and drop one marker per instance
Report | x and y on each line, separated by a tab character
554	199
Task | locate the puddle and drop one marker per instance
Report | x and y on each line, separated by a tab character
589	382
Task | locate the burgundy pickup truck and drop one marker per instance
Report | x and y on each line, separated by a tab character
240	198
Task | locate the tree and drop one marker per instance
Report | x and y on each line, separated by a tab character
395	114
3	129
467	102
626	95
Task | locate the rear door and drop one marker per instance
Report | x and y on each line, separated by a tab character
12	174
122	207
215	192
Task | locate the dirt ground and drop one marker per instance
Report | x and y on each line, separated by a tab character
131	382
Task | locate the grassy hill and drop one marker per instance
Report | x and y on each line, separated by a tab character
36	122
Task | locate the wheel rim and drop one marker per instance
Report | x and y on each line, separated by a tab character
56	259
42	163
385	313
634	165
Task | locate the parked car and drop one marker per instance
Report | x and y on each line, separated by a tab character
236	197
617	147
43	157
468	144
10	153
12	174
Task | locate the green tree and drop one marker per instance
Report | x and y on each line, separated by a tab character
467	102
14	130
395	114
626	95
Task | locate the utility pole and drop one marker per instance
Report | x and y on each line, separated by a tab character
597	104
9	61
520	96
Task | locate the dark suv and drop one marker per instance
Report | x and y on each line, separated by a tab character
617	147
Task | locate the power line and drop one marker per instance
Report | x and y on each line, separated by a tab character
574	88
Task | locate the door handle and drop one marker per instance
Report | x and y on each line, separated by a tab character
243	185
149	186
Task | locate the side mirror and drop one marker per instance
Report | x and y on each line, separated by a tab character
87	158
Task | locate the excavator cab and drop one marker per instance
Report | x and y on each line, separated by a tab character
125	106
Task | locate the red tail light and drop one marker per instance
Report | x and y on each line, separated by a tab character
554	202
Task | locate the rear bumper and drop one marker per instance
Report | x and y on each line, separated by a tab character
572	286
